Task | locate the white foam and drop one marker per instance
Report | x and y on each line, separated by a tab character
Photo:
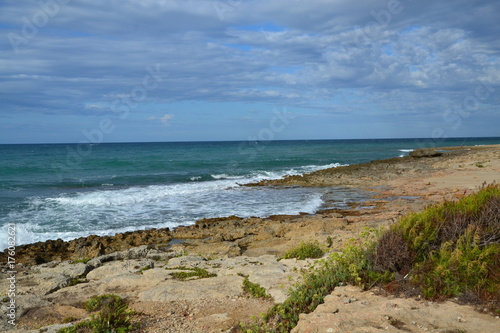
29	233
111	210
312	168
226	176
406	150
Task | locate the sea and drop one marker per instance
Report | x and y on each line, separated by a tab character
52	191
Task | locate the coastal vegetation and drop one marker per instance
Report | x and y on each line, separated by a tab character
187	272
448	250
254	289
304	251
109	313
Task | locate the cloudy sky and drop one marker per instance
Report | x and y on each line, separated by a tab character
188	70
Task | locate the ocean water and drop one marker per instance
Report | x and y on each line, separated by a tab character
68	191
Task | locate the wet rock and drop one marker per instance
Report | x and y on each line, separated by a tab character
426	152
87	247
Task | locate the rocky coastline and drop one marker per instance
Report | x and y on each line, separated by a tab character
56	276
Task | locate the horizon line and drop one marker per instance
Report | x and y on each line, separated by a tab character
247	140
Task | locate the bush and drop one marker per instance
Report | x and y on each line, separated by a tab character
81	260
254	289
305	250
457	246
392	253
113	316
427	230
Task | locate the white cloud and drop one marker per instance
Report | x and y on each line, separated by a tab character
166	119
299	53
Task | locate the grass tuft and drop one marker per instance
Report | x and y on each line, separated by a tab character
304	251
191	272
110	313
254	289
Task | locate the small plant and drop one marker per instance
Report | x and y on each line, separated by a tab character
96	303
81	260
481	164
398	324
75	281
304	251
329	242
81	327
69	320
145	268
254	289
191	272
113	316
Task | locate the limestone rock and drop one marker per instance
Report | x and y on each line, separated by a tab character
367	312
214	287
87	247
113	269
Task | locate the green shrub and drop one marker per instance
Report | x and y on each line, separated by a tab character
113	316
198	272
75	281
305	250
458	267
427	230
81	260
457	246
97	303
329	241
145	268
254	289
69	320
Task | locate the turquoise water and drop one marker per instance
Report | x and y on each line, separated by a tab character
68	191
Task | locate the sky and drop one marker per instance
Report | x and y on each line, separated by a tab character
196	70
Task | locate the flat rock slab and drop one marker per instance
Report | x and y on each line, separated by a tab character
349	309
214	287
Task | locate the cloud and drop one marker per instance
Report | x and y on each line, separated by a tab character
305	54
165	119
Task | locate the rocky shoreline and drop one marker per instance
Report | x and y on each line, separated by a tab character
56	276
